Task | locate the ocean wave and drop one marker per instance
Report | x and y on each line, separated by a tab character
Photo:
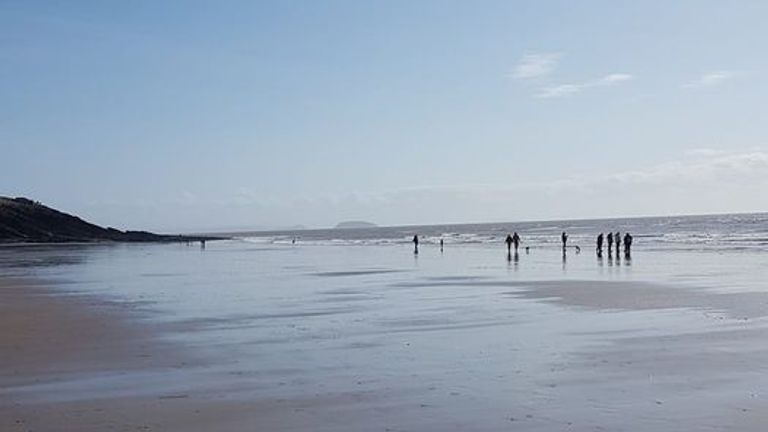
721	232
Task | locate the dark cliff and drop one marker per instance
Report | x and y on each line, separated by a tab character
24	220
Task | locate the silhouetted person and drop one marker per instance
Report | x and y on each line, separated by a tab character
415	244
516	241
202	244
627	244
527	250
564	238
599	248
509	241
617	240
610	243
441	245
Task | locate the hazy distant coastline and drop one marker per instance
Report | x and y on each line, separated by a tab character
355	225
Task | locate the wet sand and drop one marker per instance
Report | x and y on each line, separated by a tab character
387	349
51	337
49	332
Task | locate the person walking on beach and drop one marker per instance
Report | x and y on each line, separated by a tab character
509	241
617	239
441	245
599	248
564	238
516	241
627	244
415	244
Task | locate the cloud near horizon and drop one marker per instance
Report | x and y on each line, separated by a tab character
701	181
710	182
703	167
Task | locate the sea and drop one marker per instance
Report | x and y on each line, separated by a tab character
726	232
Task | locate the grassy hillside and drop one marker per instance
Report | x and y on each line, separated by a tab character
24	220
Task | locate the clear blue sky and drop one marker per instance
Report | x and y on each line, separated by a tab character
184	115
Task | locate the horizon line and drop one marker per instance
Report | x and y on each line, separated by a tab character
481	223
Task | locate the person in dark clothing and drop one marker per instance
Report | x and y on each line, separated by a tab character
564	238
441	245
617	240
509	241
416	244
627	244
516	241
599	248
610	243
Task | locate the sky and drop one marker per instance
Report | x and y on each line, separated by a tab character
183	116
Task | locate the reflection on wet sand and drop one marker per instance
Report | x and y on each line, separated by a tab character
317	338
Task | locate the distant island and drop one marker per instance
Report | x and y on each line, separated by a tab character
355	224
23	220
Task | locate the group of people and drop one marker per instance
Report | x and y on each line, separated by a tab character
513	240
615	239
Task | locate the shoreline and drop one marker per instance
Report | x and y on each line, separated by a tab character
172	239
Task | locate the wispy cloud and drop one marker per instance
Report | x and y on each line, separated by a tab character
711	182
710	79
536	65
698	181
614	78
563	90
559	91
704	152
710	168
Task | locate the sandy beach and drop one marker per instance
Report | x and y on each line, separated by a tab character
50	340
108	342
